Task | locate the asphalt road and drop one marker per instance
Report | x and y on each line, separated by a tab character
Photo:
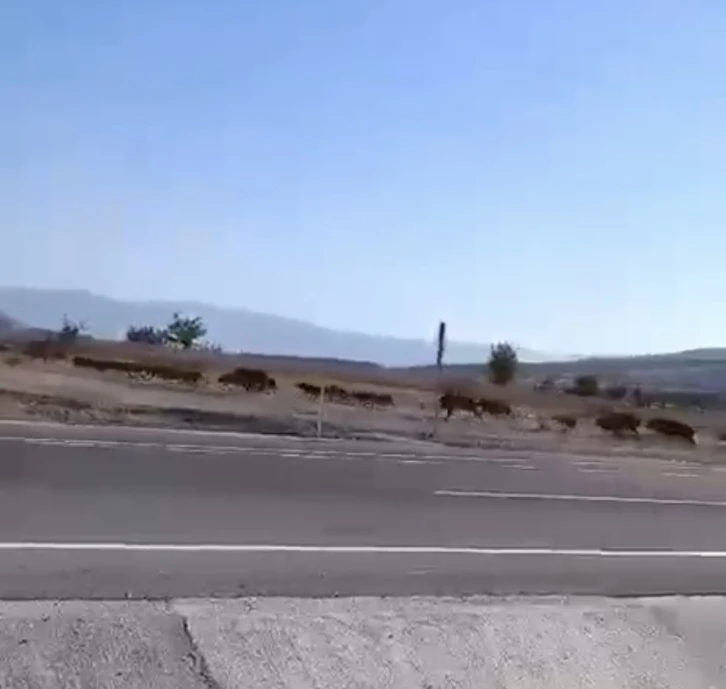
109	513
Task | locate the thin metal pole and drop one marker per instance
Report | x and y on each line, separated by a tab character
321	404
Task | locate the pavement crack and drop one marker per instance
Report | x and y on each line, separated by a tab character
197	659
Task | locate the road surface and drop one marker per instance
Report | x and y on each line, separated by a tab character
119	513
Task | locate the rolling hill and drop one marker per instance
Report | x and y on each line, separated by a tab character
234	329
28	312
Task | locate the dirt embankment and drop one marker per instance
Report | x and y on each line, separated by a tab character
90	390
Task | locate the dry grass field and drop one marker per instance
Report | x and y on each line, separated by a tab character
56	388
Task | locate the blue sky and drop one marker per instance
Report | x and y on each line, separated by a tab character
553	173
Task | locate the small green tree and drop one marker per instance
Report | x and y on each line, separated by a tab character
184	331
502	363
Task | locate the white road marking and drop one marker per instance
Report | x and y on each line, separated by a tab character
481	460
39	441
514	461
327	453
365	549
576	498
235	449
162	430
88	443
81	443
184	446
260	450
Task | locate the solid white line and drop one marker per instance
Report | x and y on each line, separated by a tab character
302	453
160	429
70	442
371	549
576	498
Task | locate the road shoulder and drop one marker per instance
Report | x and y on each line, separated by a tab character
391	642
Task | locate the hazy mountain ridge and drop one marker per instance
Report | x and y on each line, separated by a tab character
269	335
234	329
8	324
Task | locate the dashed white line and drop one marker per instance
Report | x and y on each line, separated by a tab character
361	550
576	498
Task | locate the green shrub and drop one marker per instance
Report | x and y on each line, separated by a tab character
502	364
586	386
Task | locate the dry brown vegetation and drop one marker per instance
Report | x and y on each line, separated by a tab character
128	380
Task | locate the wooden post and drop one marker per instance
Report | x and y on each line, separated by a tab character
440	345
440	349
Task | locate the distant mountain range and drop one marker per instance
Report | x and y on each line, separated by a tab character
30	312
233	329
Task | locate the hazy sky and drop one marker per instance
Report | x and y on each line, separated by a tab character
549	172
